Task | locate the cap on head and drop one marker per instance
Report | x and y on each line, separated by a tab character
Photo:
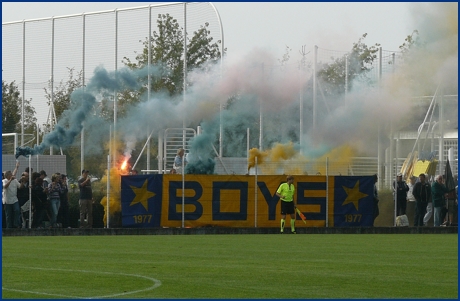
399	174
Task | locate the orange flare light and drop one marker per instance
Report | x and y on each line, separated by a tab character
124	164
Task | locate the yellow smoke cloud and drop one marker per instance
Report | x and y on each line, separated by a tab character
115	192
255	153
339	161
114	176
277	160
285	159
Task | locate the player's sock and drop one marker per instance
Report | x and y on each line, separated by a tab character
283	221
293	225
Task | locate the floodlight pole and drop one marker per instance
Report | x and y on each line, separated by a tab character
327	192
315	70
30	192
255	196
108	189
23	79
221	71
82	139
184	112
261	117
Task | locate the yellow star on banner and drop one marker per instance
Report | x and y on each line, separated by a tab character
142	195
353	195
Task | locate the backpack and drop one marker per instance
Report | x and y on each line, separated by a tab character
402	221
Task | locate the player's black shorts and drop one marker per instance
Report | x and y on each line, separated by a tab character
287	207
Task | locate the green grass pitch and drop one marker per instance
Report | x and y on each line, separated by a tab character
231	266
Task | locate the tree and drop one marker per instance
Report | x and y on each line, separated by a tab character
62	102
12	110
167	47
411	42
62	92
11	107
360	58
286	56
11	115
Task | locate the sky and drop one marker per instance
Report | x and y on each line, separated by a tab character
269	25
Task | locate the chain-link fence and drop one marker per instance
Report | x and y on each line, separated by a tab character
50	164
38	54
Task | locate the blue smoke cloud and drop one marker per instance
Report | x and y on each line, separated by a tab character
82	103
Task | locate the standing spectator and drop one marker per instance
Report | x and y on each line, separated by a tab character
452	203
422	194
411	203
401	189
46	180
3	205
455	217
86	200
63	215
54	192
376	198
429	210
410	192
286	193
35	175
10	199
46	183
39	202
438	196
23	198
178	161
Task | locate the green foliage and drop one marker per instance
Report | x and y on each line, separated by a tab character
12	111
360	59
286	56
61	94
167	47
11	107
328	266
61	102
411	42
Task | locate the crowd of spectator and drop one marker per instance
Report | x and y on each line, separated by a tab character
427	196
46	199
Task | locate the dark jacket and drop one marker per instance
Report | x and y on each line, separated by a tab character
64	195
401	190
23	194
86	192
437	194
39	197
422	192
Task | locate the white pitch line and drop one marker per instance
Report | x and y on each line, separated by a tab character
38	293
156	282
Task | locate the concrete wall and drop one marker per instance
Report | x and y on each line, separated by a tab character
220	230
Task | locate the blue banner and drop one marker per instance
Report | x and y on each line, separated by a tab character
353	201
141	199
240	201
